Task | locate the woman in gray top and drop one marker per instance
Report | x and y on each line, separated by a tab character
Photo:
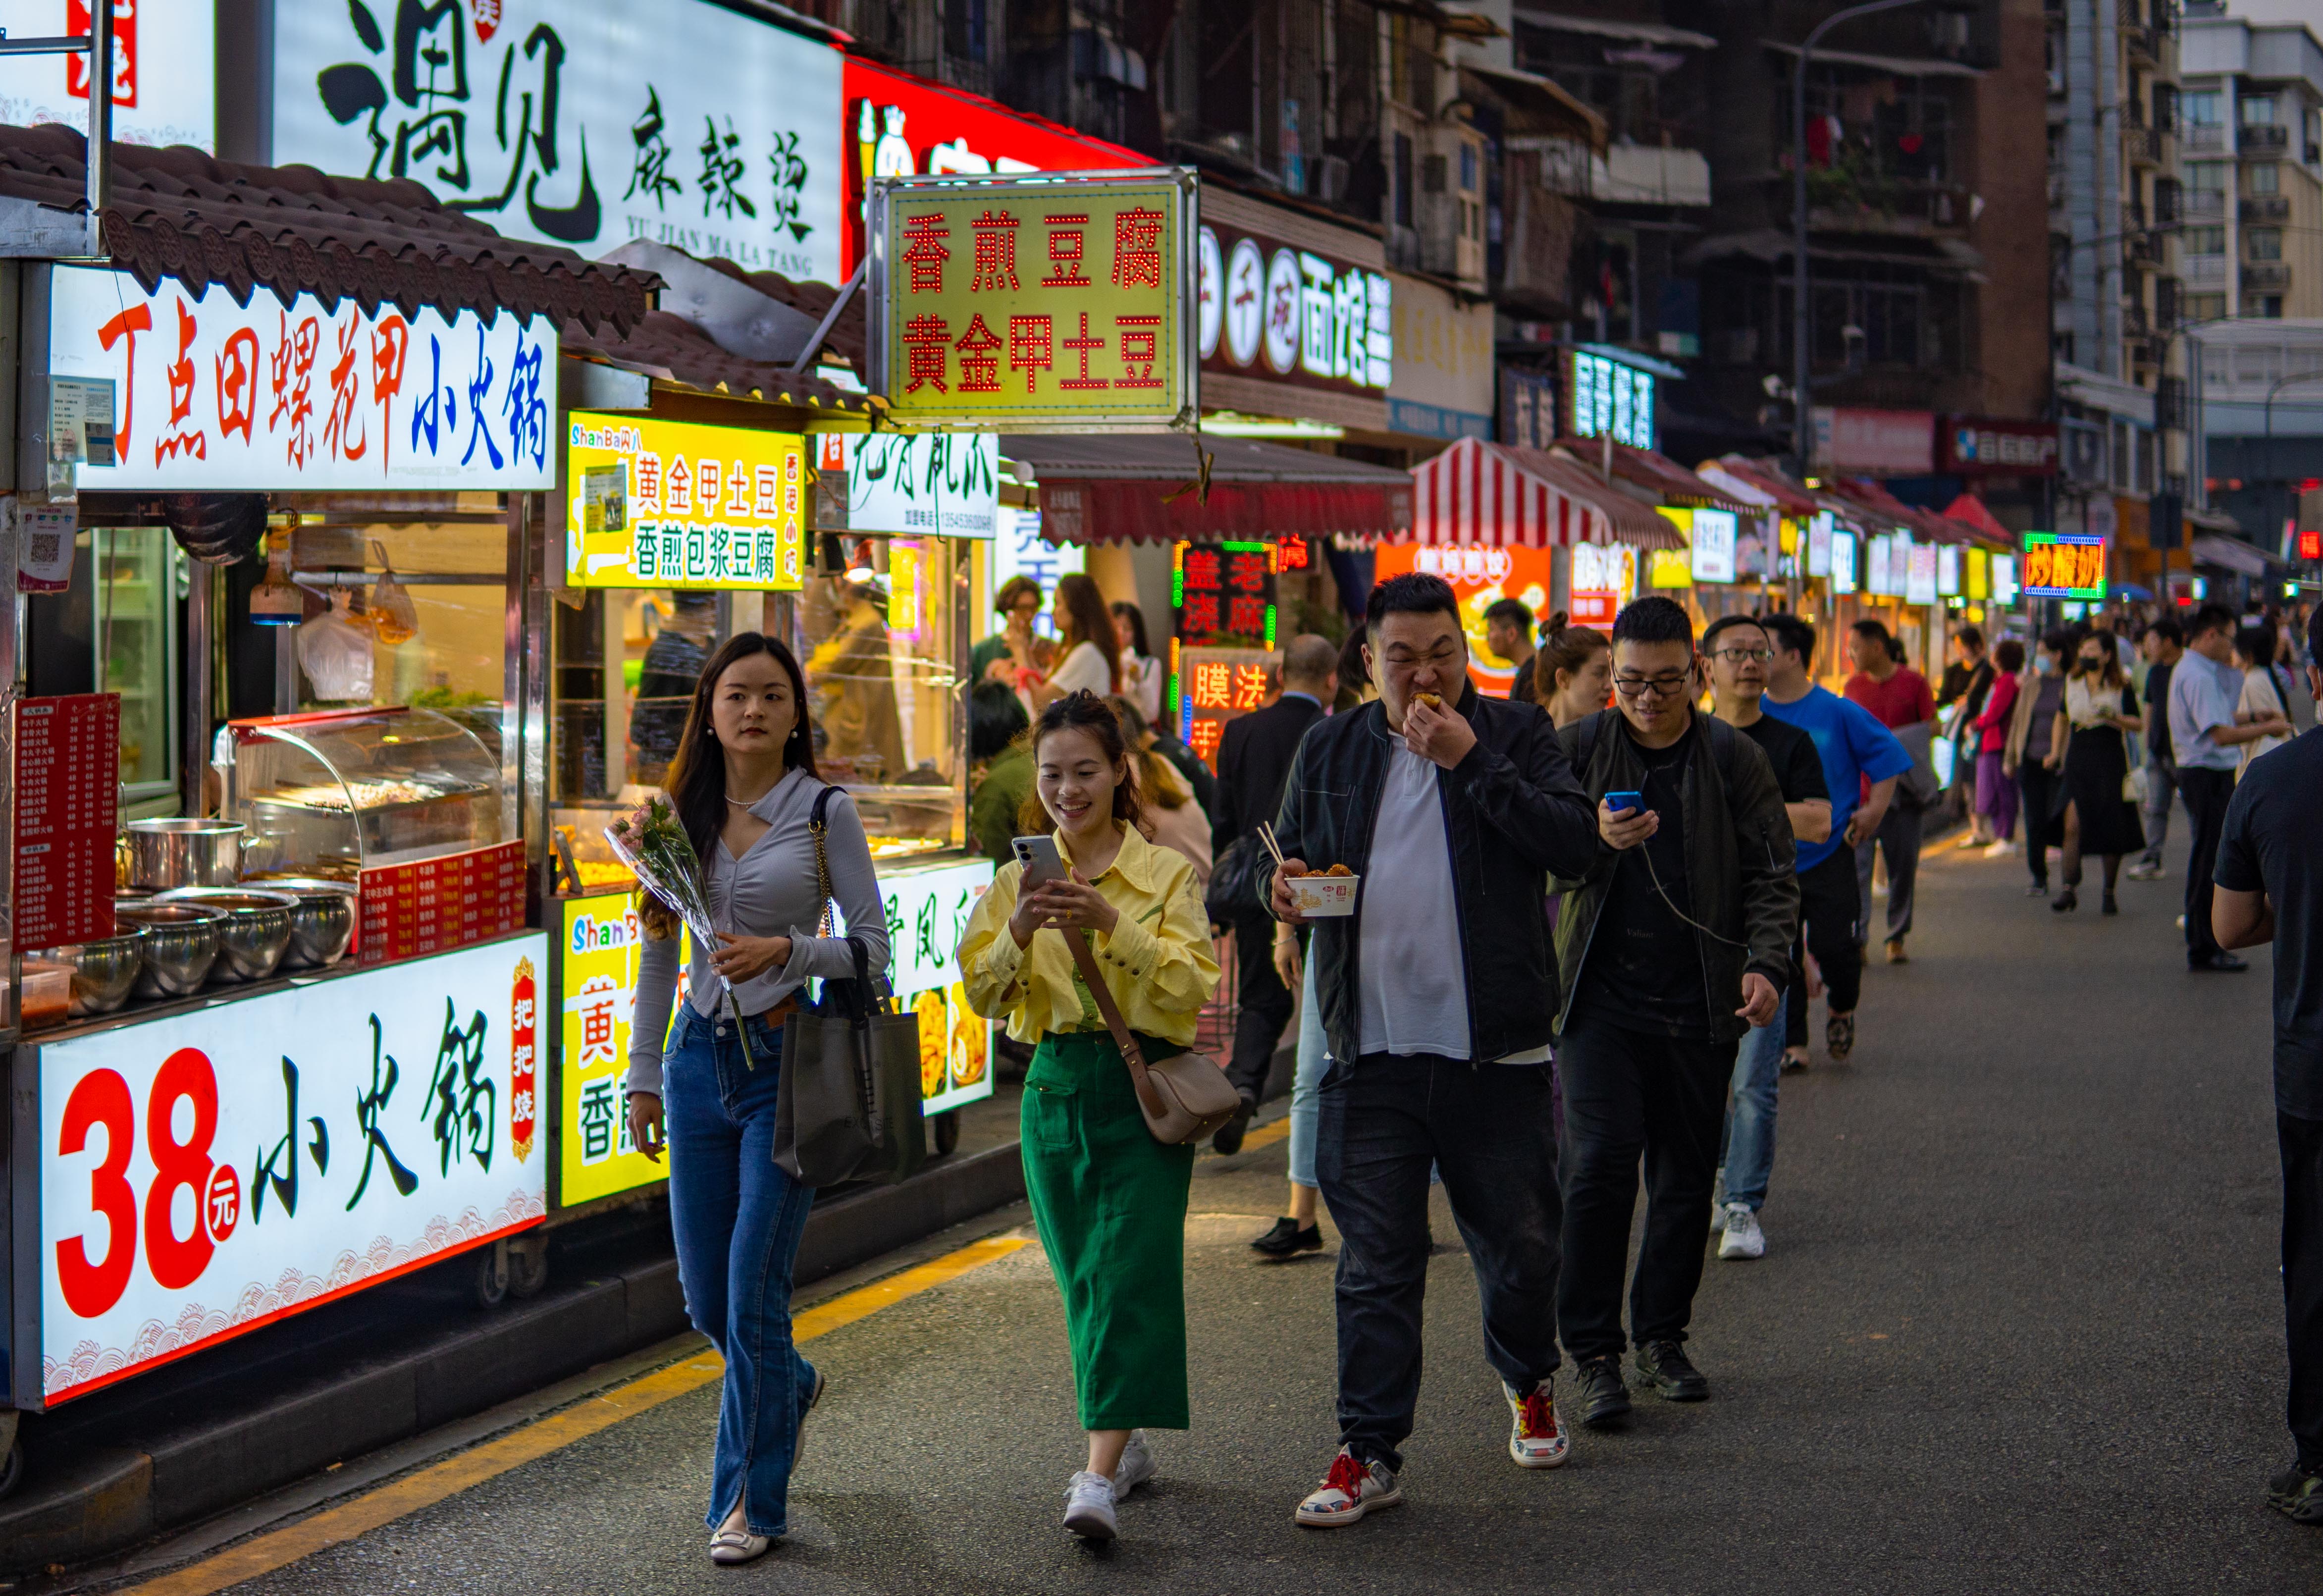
744	785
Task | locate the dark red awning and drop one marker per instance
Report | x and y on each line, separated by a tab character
1137	488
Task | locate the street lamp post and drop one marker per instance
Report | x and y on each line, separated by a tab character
1802	360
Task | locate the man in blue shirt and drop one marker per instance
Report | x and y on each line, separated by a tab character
1855	747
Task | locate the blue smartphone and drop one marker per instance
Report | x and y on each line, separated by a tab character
1623	803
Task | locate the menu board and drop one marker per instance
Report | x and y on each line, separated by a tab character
67	814
435	906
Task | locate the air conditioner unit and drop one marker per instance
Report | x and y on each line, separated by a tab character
1330	179
1448	210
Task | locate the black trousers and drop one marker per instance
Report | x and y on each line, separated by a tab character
2302	1140
2207	794
1630	1094
1487	1130
1831	911
1264	1005
2037	786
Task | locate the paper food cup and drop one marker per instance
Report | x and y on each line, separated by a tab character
1323	896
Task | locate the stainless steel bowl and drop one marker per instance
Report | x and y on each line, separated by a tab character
323	923
103	971
255	933
181	945
169	853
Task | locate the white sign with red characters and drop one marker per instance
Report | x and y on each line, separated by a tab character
220	397
209	1173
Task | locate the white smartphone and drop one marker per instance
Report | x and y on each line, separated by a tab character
1041	861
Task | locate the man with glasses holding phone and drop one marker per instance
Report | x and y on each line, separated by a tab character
1738	653
1671	945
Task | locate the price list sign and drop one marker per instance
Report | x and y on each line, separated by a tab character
68	815
435	906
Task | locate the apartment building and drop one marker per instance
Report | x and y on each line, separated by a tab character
2252	154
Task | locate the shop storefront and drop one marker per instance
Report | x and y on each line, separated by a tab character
289	1042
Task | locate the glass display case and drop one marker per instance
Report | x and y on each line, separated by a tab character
335	791
136	569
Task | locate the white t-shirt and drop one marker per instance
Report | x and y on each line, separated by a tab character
1083	667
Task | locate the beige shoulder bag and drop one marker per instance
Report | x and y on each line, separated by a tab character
1184	1097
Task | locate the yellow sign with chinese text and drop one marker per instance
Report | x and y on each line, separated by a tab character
1058	301
598	954
672	504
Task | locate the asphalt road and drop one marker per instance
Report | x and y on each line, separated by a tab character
2019	1328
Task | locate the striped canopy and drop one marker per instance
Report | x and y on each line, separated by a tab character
1481	495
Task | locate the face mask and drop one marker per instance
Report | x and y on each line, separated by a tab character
2042	664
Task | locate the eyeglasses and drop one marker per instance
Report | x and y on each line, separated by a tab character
1665	686
1737	656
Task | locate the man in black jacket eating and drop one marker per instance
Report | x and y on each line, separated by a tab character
1437	996
1671	944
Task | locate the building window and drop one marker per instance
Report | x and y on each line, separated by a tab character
1404	180
2258	111
2268	306
2264	178
964	30
2202	109
2205	240
2206	306
2265	243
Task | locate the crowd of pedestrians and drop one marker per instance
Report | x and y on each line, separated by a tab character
1591	921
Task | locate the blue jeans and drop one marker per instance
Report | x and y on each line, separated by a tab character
737	1218
1749	1142
1314	1058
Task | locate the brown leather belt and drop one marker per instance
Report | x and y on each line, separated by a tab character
779	1013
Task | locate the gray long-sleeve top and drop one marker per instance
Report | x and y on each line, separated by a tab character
770	891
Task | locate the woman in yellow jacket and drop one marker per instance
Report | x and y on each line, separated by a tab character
1109	1201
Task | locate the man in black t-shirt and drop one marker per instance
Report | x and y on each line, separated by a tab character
1738	652
2270	889
1671	947
2163	644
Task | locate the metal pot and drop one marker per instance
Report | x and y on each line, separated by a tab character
170	853
181	945
103	971
323	923
255	933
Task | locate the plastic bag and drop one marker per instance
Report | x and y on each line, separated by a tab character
391	612
335	651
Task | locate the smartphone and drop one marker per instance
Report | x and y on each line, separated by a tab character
1623	803
1041	861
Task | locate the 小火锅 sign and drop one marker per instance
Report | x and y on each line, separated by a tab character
209	395
678	505
205	1176
578	123
1056	303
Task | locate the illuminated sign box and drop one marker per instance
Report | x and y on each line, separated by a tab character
670	504
1612	397
1063	303
2065	565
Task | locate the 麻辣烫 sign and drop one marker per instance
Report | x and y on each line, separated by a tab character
207	1175
214	396
1058	303
672	504
2065	565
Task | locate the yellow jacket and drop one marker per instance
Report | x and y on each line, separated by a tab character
1157	962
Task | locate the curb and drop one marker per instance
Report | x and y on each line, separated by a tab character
100	1499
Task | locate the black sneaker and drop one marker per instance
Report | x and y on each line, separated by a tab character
1287	1238
1674	1379
1229	1139
2222	963
2297	1494
1599	1394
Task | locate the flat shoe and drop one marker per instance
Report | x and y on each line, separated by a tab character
731	1547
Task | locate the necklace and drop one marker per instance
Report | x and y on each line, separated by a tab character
746	802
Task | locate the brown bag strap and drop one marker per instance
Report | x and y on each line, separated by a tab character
1131	1053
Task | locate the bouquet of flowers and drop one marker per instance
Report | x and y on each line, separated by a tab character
654	846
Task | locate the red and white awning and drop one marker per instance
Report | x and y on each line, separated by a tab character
1481	495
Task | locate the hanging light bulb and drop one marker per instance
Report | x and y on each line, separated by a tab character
858	563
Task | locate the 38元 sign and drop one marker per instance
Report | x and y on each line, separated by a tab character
1032	303
202	1177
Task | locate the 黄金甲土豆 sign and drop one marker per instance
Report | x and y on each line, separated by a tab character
1061	301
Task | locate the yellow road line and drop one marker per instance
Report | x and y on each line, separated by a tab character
1267	1135
425	1487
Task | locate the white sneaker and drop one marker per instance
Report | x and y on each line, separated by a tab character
1347	1492
2000	850
1088	1507
1744	1239
1136	1465
1535	1439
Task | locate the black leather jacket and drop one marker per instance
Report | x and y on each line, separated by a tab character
1740	860
1513	813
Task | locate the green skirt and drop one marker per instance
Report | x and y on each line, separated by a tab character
1110	1204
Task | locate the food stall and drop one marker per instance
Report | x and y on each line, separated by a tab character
273	1006
715	498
